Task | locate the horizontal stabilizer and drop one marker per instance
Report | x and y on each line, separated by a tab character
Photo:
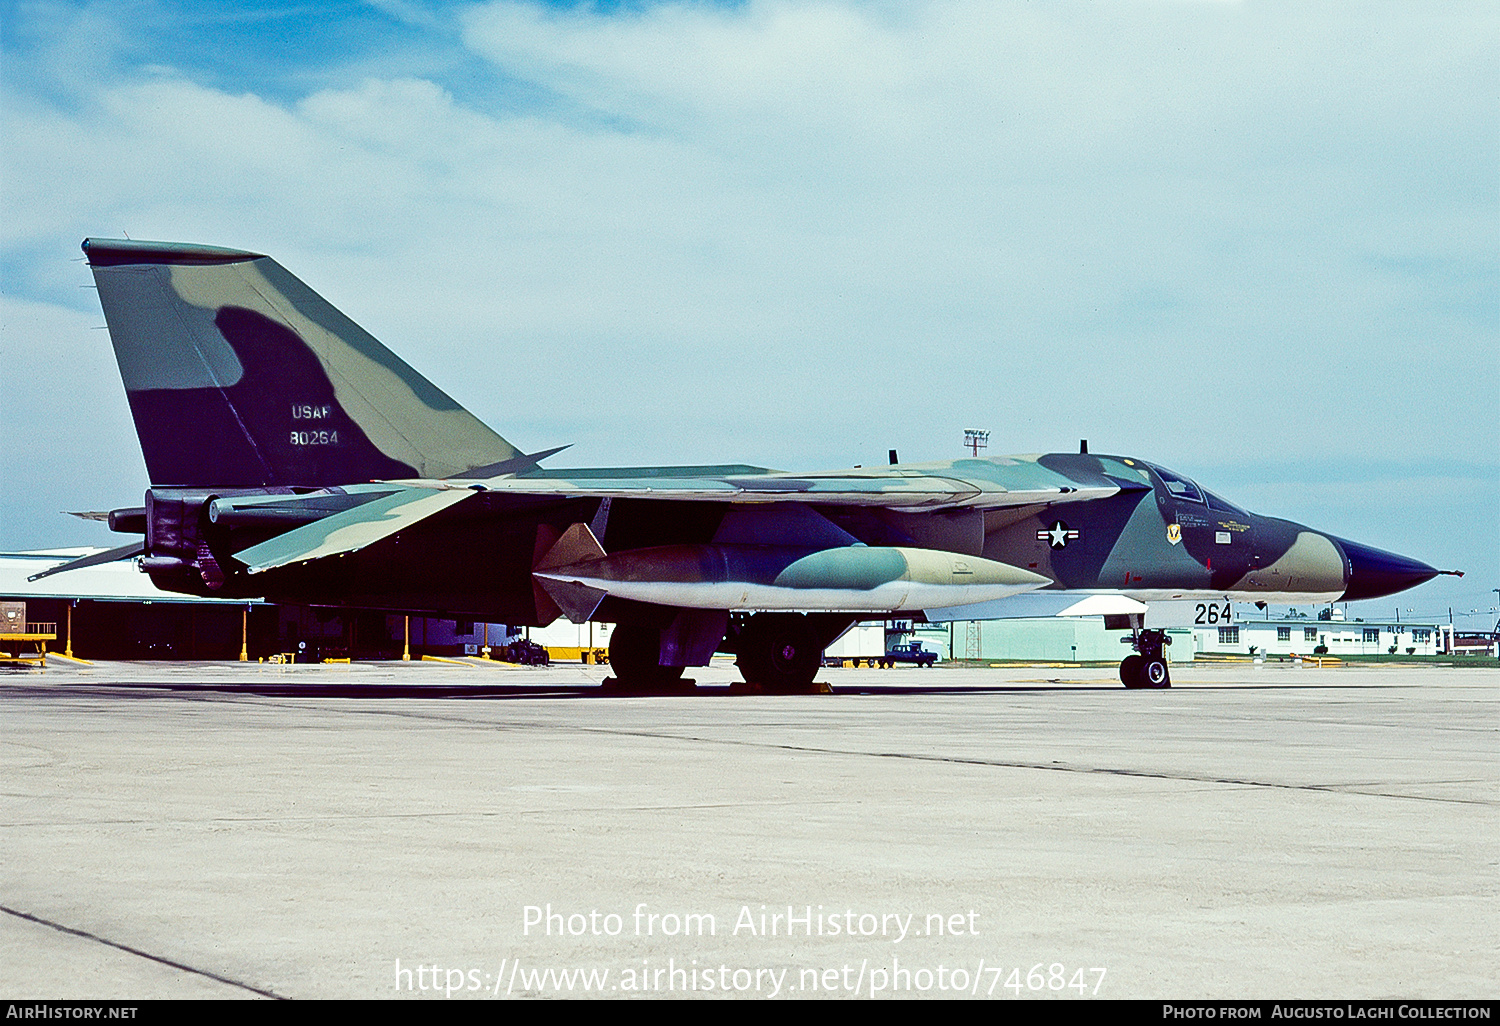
123	552
350	530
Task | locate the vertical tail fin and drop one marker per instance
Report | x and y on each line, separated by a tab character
239	375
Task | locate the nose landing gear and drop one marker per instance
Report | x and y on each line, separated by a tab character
1148	668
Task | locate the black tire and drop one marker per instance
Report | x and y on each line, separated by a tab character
1154	674
633	652
1130	671
780	651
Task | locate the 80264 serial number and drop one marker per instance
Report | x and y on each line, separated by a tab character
315	438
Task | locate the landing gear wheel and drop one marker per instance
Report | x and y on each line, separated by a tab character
1148	667
633	652
1154	674
779	651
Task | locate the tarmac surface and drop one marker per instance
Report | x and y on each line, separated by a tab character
404	830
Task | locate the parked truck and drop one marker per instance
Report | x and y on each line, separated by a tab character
864	643
909	652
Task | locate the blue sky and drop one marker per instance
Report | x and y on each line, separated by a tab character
1256	242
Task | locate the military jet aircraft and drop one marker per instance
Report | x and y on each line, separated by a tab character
293	457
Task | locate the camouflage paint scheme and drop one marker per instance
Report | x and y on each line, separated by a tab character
294	457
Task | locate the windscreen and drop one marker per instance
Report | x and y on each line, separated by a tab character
1179	486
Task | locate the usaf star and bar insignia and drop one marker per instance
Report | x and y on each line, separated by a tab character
1058	535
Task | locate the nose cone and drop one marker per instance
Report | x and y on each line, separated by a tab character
1374	573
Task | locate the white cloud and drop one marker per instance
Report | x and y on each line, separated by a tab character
781	59
70	441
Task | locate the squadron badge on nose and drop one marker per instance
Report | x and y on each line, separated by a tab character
1174	533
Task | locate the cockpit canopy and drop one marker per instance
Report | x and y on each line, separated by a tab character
1184	489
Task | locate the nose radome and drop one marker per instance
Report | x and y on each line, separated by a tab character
1374	572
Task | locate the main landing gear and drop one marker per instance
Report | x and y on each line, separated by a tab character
780	651
633	654
1148	668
